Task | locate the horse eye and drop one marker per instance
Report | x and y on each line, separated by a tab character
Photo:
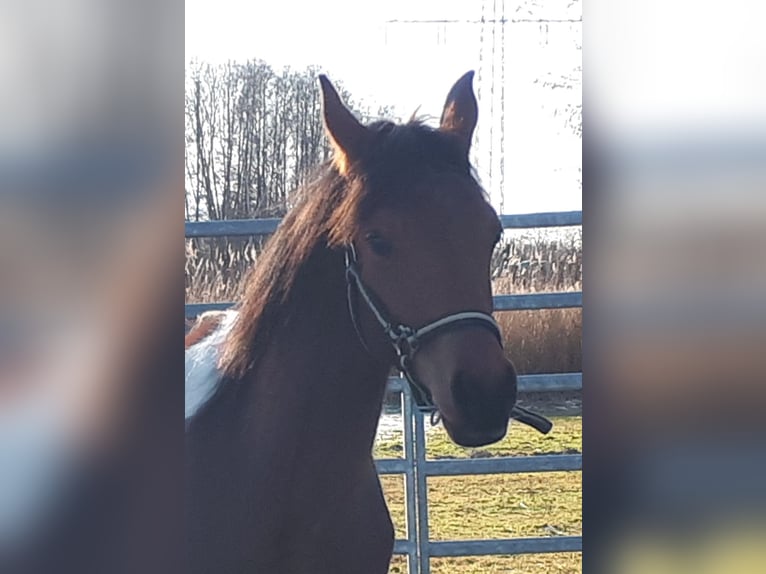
379	245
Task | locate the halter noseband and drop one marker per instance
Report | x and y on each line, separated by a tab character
407	340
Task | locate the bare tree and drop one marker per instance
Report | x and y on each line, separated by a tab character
253	135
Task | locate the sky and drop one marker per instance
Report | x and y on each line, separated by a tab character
412	66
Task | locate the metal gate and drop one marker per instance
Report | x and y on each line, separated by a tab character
415	466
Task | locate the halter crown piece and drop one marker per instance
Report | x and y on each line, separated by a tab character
407	340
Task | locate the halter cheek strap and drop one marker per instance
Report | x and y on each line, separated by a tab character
406	340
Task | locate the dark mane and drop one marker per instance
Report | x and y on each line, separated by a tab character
325	218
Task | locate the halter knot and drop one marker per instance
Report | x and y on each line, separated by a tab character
405	340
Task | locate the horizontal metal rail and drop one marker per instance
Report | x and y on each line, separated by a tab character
245	227
532	301
546	383
504	465
392	465
539	220
505	546
535	301
404	546
494	465
231	227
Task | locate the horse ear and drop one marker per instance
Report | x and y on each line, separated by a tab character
461	110
347	135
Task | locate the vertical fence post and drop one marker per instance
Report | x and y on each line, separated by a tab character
424	558
410	488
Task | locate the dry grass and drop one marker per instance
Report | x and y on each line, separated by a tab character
546	341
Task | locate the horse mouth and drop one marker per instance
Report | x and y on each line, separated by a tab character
467	436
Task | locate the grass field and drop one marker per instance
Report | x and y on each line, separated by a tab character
497	506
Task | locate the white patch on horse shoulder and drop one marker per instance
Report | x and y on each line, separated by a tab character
203	376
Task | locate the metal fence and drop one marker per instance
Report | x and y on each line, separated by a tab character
415	465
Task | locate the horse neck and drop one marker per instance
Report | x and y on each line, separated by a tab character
316	375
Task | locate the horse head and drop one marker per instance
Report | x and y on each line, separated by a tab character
419	234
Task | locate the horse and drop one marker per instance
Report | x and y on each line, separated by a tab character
384	261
